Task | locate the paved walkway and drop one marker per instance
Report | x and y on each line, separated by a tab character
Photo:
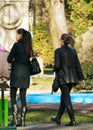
50	126
77	107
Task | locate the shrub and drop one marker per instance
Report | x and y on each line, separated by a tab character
43	46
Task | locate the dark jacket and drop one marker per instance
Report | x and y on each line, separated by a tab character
20	71
67	65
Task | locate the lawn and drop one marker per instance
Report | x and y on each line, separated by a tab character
39	116
44	116
41	83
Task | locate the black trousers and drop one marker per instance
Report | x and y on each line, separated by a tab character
65	101
13	93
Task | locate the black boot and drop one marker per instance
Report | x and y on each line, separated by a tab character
71	123
57	119
61	110
71	115
14	122
23	115
58	122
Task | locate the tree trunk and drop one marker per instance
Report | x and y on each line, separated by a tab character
34	21
59	14
57	19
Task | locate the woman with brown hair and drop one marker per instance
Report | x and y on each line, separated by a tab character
19	57
68	69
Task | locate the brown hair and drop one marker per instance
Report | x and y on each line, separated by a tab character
72	41
66	38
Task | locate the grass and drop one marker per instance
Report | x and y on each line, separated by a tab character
39	83
48	71
42	83
44	116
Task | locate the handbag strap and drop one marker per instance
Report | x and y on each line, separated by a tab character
32	53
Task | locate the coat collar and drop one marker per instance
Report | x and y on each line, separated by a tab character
64	46
21	40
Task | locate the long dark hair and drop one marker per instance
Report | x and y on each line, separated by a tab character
27	40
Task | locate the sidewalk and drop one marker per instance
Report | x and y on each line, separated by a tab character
51	126
77	107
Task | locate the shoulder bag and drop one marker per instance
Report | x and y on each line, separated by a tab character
55	84
34	66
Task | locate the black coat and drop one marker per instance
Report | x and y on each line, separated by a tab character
20	71
67	65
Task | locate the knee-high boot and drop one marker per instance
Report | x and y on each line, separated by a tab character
23	115
71	116
14	121
61	110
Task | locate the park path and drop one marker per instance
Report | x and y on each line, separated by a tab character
51	126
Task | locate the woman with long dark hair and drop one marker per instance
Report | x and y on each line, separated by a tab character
68	69
19	57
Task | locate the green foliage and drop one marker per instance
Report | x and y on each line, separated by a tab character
88	70
81	15
42	43
86	57
88	73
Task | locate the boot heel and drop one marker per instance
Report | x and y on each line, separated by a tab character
58	122
71	123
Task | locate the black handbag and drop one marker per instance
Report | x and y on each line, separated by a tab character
56	84
34	66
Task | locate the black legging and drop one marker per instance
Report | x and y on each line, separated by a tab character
13	93
65	100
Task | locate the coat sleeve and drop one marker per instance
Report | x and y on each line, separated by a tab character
78	68
56	61
12	53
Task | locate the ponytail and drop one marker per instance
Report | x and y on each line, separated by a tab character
26	36
28	43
